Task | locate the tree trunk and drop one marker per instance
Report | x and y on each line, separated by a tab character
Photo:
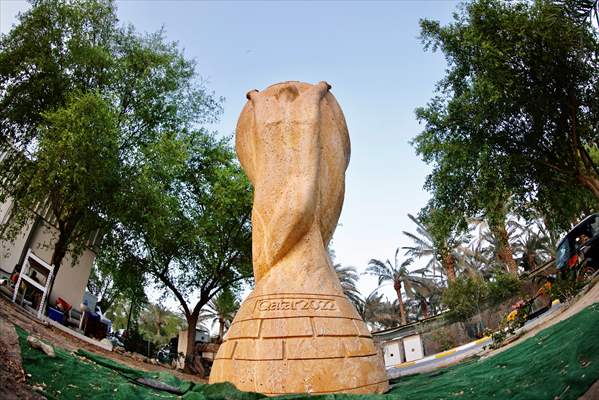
449	265
221	329
129	318
402	310
532	261
60	250
192	361
424	307
590	183
504	250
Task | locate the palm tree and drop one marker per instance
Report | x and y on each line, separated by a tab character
388	314
441	256
348	277
154	317
159	324
369	307
377	312
422	292
490	248
435	301
221	309
582	10
533	243
476	260
398	274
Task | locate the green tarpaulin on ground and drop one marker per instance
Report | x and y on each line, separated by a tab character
562	360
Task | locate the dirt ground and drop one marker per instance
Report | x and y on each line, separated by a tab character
13	381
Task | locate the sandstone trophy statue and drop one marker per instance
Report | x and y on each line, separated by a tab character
296	332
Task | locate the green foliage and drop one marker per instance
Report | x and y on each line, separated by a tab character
399	276
85	107
77	156
515	117
501	287
159	325
581	11
467	296
185	220
221	310
74	173
348	277
116	278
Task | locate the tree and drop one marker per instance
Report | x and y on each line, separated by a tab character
125	312
399	275
581	10
158	325
470	295
186	219
515	119
493	247
74	173
435	242
388	314
222	309
497	218
80	100
102	286
372	309
348	276
466	297
424	293
533	243
115	277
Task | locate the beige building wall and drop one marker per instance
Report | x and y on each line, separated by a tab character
71	280
10	253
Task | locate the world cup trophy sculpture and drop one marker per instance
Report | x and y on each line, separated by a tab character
296	332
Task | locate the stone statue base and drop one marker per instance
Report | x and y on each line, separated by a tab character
299	340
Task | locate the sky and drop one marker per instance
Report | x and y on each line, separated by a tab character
371	54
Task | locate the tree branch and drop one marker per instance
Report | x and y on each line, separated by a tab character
177	294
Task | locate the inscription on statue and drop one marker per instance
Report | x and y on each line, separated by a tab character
297	304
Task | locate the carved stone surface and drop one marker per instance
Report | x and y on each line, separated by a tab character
296	332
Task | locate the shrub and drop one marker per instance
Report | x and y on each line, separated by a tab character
467	296
502	287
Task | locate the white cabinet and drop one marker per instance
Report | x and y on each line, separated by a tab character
392	353
413	348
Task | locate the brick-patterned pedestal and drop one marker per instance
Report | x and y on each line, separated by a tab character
323	347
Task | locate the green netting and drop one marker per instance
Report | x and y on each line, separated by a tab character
134	374
562	360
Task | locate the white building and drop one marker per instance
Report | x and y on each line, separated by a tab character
39	236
